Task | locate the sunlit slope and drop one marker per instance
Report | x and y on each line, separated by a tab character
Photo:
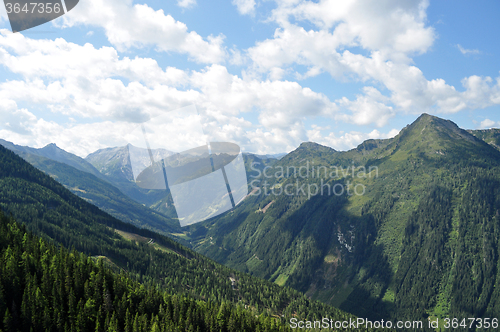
418	238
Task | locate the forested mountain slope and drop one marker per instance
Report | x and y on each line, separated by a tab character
103	194
54	213
113	190
45	288
420	237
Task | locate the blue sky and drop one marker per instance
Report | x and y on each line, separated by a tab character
267	75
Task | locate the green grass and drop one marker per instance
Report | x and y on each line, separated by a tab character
137	238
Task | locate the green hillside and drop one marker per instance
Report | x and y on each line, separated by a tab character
115	172
490	136
419	239
54	213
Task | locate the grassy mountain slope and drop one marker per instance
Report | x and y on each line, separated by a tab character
490	136
421	240
54	213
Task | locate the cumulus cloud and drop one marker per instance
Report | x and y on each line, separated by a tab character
395	29
245	7
276	140
98	84
391	32
371	107
76	80
80	139
186	3
14	119
280	103
61	59
127	25
487	123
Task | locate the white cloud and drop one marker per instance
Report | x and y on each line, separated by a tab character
85	82
186	3
102	85
368	108
465	51
127	25
487	123
80	139
276	140
391	32
227	91
61	59
481	92
14	119
395	29
245	7
346	141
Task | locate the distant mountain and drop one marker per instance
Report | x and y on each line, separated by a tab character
109	190
52	212
112	162
115	162
406	228
268	156
53	152
115	165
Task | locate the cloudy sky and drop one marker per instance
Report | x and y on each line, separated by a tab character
265	74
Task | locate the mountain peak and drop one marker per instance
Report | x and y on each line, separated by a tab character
426	123
435	136
426	117
315	146
54	152
51	146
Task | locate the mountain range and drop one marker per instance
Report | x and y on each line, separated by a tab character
402	228
38	271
